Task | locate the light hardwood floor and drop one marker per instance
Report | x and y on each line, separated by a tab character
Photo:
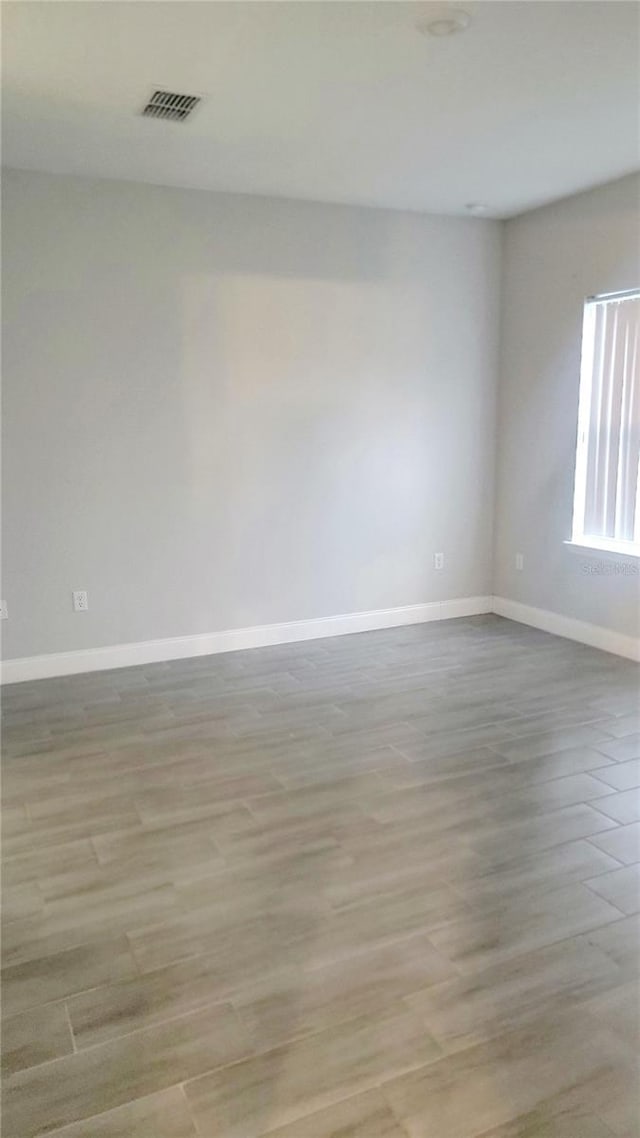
381	886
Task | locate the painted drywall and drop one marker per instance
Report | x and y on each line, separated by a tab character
225	411
552	259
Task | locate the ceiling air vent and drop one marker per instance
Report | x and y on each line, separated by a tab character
170	106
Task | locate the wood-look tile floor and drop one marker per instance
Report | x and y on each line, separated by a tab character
381	886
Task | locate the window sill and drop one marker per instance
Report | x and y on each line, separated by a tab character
608	550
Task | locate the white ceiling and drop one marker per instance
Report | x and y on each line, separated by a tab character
332	101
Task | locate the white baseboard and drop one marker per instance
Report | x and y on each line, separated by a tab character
234	639
593	634
181	647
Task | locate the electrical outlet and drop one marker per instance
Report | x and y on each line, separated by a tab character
4	611
80	601
519	562
438	561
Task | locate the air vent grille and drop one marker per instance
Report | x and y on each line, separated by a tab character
170	106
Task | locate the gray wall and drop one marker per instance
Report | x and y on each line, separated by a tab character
553	258
222	411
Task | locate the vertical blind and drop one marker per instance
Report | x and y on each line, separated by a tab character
607	502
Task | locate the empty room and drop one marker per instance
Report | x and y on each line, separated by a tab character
320	616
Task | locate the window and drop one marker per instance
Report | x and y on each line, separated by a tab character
606	506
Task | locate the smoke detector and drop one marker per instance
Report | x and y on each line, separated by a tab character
171	106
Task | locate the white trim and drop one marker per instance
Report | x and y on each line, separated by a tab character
585	392
593	634
606	547
235	639
609	297
181	647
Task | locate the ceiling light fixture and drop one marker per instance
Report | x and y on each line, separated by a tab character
449	23
476	208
